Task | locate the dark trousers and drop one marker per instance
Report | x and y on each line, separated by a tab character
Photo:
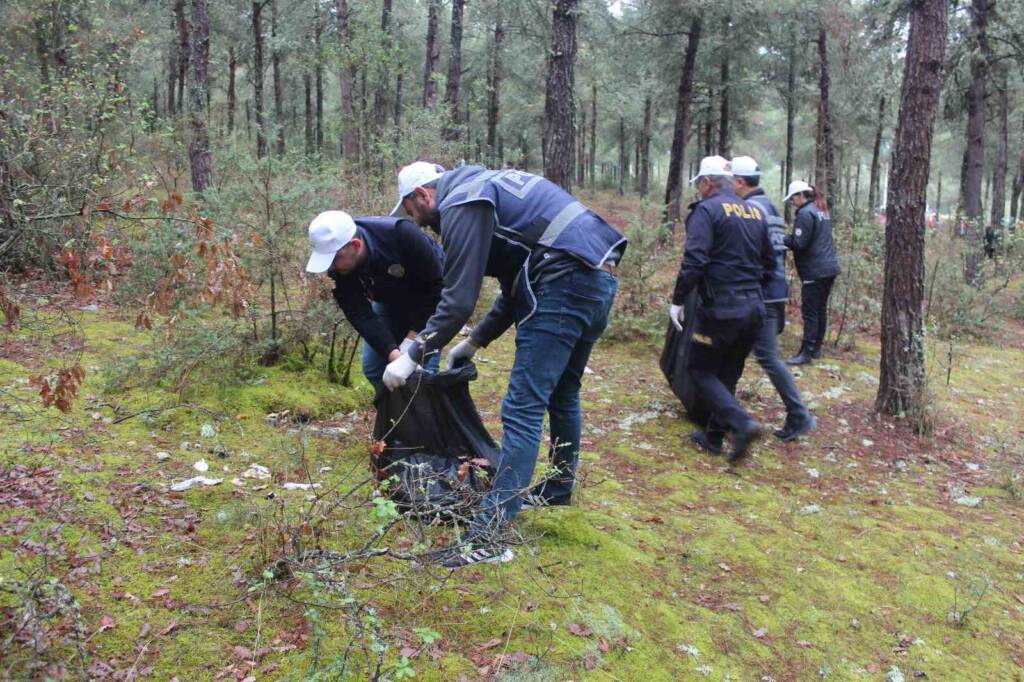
724	335
766	350
814	307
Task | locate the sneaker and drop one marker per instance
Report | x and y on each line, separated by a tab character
742	440
537	501
710	445
467	554
794	429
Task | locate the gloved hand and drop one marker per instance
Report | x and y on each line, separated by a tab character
398	371
406	344
462	350
676	313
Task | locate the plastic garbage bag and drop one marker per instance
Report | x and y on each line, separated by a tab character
673	363
437	455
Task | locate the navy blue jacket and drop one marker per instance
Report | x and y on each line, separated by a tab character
403	271
811	243
727	248
777	289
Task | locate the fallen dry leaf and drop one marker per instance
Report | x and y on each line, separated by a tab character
580	630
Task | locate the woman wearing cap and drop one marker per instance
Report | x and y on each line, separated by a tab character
816	263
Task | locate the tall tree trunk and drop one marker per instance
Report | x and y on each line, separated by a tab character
380	106
199	150
825	171
172	81
275	59
232	96
257	77
8	226
1002	152
319	75
790	115
1017	190
398	109
636	164
623	159
307	86
559	96
681	129
593	134
723	115
183	49
433	54
645	149
452	92
350	139
494	103
876	159
581	150
979	61
902	387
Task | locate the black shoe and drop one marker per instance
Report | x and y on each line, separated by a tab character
534	500
468	553
742	440
816	354
801	358
794	429
709	444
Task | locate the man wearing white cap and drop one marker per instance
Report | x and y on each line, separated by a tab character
728	257
814	254
554	259
747	179
387	277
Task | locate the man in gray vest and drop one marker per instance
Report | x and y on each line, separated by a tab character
554	259
746	179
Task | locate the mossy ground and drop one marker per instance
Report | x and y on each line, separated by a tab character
841	556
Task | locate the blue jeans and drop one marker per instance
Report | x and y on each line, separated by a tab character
552	349
766	350
374	363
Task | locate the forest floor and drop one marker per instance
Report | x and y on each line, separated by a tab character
860	552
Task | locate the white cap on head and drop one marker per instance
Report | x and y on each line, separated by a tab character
713	165
328	233
796	187
416	174
745	166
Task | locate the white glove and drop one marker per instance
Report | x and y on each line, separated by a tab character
398	371
463	349
406	344
676	313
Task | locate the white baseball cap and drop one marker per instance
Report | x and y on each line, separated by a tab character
796	187
416	174
713	165
745	166
328	233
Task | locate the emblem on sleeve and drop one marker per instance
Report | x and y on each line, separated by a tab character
396	270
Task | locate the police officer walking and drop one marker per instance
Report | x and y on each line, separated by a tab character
747	179
553	258
387	277
728	256
816	264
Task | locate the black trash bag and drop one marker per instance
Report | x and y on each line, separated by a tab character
434	443
673	363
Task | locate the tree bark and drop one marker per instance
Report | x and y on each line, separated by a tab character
593	134
398	109
8	226
275	60
824	170
623	158
172	81
433	54
494	102
452	92
876	159
350	139
380	108
232	96
559	98
581	150
902	388
723	115
319	74
1018	186
1002	152
307	86
257	77
645	149
681	130
181	24
199	149
975	169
